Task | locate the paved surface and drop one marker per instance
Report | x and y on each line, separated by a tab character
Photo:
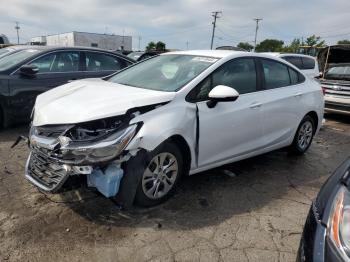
257	215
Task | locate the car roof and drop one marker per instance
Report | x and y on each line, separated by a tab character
225	54
209	53
278	54
59	48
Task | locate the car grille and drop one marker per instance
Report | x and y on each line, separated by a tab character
47	174
336	89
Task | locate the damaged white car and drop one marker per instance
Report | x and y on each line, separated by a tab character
133	135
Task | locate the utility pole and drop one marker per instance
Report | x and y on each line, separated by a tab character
215	15
122	46
17	29
187	43
256	30
139	42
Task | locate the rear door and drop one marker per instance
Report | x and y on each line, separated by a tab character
230	129
281	102
55	69
98	64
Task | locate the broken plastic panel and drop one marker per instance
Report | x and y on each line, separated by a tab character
107	182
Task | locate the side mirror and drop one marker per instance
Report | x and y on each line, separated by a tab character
221	93
29	70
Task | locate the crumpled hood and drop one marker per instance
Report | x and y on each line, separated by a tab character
91	99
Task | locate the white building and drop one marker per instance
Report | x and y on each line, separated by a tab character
103	41
39	40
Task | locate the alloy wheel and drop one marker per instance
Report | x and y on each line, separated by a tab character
305	135
160	175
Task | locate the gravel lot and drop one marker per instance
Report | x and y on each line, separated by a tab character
257	215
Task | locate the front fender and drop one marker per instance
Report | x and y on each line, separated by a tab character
163	123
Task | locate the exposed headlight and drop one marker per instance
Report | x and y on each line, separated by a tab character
100	150
338	229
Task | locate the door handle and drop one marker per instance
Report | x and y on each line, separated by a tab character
255	105
297	94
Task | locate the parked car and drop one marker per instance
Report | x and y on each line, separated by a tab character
228	47
307	64
31	71
335	80
12	49
141	55
175	114
326	235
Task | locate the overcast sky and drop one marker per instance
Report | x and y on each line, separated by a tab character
179	21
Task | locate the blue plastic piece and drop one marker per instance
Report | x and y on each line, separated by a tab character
107	182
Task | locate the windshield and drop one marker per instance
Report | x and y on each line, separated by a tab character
338	72
164	73
8	61
135	55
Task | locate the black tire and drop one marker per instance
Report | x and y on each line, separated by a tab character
296	148
141	198
2	124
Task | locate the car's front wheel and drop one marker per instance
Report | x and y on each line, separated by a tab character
303	137
161	175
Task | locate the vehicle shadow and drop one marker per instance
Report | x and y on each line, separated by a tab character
345	119
11	133
211	197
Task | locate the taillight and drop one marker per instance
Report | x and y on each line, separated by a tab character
323	90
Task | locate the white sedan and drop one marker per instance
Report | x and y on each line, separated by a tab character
133	135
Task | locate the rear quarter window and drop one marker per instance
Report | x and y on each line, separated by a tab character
294	60
308	63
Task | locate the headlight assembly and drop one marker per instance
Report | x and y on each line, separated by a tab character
98	151
338	229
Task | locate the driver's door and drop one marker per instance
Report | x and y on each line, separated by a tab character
230	129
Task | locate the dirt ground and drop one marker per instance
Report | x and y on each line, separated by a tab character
257	215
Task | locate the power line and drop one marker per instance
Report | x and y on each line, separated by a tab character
215	15
17	29
256	30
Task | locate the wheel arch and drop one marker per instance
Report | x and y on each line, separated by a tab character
179	141
314	117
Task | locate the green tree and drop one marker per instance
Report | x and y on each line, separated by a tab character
314	41
245	46
343	42
160	46
293	47
270	45
151	46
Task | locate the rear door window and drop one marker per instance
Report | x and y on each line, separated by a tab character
276	74
103	62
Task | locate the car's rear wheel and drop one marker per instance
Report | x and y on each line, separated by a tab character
303	137
161	175
1	119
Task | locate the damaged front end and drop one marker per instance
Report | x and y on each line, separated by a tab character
94	149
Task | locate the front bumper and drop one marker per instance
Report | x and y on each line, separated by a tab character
52	161
314	244
335	107
337	101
